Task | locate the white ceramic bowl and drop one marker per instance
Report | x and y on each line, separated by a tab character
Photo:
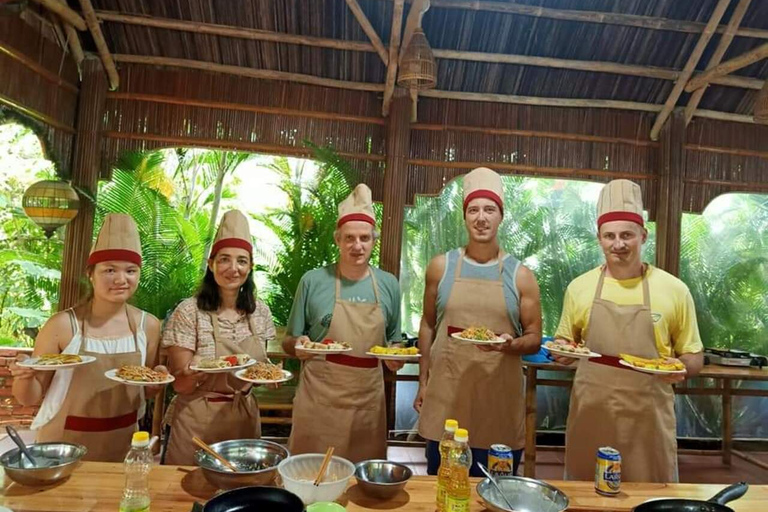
299	472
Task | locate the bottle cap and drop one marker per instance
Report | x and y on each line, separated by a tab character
140	438
462	436
451	425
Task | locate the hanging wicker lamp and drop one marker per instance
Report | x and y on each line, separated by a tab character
51	204
417	68
760	113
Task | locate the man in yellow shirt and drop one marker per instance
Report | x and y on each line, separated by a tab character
626	307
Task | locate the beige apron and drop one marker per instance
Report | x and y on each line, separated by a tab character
221	409
98	413
482	390
340	400
618	407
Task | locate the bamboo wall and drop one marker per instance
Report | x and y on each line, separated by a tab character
39	81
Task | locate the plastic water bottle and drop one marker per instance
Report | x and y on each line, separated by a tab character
459	491
138	462
444	473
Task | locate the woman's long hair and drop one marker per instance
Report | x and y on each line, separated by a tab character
208	298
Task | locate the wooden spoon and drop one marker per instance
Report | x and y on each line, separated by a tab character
324	466
199	442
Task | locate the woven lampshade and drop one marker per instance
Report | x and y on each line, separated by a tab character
760	114
417	68
51	204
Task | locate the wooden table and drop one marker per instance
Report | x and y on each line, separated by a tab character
722	375
97	487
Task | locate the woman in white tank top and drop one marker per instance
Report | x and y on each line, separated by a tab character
80	404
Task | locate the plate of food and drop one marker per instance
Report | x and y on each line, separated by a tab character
223	364
325	347
394	353
134	375
658	366
566	349
264	372
51	362
478	336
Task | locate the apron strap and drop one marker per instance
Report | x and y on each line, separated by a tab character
131	326
462	253
646	289
600	281
373	280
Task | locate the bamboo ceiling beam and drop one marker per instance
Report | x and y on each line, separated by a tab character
724	116
73	40
690	67
369	30
413	22
229	31
729	66
608	18
394	48
264	74
722	47
37	68
64	13
101	44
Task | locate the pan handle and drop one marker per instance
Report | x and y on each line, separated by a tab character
197	507
730	493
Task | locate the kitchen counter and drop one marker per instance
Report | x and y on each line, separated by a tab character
97	487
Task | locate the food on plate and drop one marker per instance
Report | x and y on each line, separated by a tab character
660	363
395	351
224	361
326	345
478	334
565	346
137	373
56	359
264	370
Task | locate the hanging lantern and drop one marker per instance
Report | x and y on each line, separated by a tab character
417	68
51	204
760	114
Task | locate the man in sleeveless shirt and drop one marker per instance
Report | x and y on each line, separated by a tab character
477	286
626	306
340	399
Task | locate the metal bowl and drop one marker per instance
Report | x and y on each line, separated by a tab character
56	461
381	478
524	494
256	459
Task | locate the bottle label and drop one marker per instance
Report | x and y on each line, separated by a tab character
456	504
441	496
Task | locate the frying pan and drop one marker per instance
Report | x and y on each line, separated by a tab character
715	504
253	499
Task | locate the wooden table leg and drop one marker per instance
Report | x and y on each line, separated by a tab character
727	421
530	423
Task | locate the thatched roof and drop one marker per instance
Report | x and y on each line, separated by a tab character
458	25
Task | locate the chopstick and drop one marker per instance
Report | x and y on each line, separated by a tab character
324	466
199	442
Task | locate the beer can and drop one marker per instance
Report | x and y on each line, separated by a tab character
608	471
500	460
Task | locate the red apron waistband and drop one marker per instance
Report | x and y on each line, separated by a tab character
355	362
609	361
87	424
216	399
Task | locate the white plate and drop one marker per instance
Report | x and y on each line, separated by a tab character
394	357
112	375
478	342
227	369
574	355
286	377
30	363
649	370
323	351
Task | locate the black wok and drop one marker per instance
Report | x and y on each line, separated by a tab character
253	499
715	504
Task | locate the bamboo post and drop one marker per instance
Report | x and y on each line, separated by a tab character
64	12
722	47
690	67
729	66
394	49
101	44
669	203
369	30
529	468
85	175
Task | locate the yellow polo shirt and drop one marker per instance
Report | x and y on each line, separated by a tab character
672	308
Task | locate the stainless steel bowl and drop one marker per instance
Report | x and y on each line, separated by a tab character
247	455
381	479
524	494
56	461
